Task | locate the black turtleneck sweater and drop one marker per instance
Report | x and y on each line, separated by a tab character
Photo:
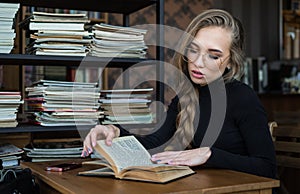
244	142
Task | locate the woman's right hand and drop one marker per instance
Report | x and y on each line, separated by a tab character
107	132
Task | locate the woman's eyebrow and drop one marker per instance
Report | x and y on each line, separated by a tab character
193	44
215	50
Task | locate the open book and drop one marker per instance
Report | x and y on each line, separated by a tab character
128	159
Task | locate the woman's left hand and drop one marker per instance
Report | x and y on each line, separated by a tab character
193	157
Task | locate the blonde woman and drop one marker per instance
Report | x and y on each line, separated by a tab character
216	120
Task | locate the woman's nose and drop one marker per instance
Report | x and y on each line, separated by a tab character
199	62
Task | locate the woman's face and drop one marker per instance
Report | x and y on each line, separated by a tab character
208	54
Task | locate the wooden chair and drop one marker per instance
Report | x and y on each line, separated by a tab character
287	145
286	140
287	118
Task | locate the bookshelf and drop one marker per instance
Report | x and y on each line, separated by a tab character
285	71
291	33
124	7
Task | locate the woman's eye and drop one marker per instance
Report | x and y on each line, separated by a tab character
193	50
215	57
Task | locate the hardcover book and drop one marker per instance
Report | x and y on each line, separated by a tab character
126	158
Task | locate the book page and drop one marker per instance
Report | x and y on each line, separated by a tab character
126	151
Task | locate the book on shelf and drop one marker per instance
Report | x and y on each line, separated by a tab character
8	149
120	29
10	155
64	83
53	151
60	53
10	161
59	17
127	159
56	26
256	73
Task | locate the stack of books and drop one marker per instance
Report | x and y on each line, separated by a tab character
10	156
126	106
9	104
53	151
116	41
56	103
59	34
7	32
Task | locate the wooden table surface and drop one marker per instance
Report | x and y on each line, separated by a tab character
204	181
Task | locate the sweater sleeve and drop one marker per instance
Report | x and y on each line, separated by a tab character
251	120
162	133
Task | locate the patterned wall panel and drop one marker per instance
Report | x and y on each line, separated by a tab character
178	14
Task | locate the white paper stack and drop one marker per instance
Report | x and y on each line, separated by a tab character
7	20
55	103
126	106
116	41
59	34
54	151
9	104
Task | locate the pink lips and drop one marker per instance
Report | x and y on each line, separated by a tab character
197	74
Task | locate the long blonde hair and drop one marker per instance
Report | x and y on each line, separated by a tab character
187	119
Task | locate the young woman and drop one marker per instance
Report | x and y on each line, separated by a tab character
215	120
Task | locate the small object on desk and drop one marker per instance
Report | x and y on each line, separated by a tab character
63	167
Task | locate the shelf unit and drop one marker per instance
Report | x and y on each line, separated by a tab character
289	31
124	7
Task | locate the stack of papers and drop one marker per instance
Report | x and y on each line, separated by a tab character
59	34
126	106
116	41
7	32
55	103
10	155
9	104
53	151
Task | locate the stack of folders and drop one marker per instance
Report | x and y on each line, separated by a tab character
9	104
59	34
10	155
116	41
53	151
56	103
7	32
126	106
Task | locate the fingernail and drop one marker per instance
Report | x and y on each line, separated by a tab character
83	154
90	150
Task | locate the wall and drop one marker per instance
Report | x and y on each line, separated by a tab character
261	23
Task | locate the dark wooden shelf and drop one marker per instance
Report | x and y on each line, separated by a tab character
89	61
112	6
27	128
37	128
125	7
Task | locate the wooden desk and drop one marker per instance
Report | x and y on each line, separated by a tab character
204	181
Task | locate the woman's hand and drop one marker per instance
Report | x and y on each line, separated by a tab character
193	157
107	132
